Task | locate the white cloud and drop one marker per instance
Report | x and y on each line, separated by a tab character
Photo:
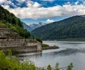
36	5
32	4
6	3
35	11
49	21
77	2
20	1
1	1
48	0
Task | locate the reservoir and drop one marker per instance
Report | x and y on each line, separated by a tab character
69	52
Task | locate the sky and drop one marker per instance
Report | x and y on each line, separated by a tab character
45	11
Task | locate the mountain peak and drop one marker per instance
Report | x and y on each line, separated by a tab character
31	27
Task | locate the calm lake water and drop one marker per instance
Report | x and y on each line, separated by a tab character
69	52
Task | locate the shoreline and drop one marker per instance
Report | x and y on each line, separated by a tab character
68	39
43	48
50	47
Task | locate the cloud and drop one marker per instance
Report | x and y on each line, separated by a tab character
32	4
20	1
36	5
7	3
1	1
35	10
48	0
49	21
83	1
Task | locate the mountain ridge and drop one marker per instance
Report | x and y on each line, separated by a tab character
72	27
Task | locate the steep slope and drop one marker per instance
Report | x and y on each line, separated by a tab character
73	27
9	20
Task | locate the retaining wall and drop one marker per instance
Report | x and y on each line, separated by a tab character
20	45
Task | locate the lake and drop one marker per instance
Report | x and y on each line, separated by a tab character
69	52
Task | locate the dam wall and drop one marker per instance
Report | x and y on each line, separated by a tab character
20	45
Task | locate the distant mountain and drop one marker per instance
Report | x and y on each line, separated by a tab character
28	28
31	27
34	26
70	28
10	21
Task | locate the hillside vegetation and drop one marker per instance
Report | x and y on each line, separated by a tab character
9	20
70	28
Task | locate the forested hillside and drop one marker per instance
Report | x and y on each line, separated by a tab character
70	28
9	20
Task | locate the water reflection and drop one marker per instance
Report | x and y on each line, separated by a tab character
70	51
30	54
65	52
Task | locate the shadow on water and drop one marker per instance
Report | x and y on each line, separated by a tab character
69	51
65	52
30	54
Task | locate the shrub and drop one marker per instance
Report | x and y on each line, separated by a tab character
8	62
39	40
45	45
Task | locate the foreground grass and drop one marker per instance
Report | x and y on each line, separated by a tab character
8	62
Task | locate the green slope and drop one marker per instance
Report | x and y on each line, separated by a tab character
10	21
70	28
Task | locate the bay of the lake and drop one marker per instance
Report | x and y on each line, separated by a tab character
69	52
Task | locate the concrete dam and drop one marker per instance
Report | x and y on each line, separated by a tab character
11	40
20	45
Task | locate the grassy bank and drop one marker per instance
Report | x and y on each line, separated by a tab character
46	47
